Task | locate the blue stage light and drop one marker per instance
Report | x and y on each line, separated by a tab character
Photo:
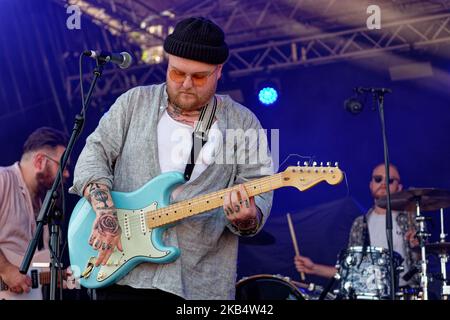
268	95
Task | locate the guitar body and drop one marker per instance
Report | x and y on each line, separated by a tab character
140	244
146	213
33	272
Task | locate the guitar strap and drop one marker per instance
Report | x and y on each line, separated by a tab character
200	135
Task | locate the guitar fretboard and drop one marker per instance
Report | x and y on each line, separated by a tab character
209	201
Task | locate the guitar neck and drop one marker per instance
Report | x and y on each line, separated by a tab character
200	204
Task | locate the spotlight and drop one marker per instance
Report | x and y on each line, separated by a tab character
268	95
268	91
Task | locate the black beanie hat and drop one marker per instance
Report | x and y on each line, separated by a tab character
197	39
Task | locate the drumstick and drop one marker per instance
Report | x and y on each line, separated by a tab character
294	241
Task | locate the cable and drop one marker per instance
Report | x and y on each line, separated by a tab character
80	65
310	158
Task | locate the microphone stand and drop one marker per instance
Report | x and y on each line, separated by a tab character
379	94
48	212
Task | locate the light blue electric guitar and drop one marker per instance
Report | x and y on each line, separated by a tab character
146	213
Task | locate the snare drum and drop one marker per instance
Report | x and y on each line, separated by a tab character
277	287
366	274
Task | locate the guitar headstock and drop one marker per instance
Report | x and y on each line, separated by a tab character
307	176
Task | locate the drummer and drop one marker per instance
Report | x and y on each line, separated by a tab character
370	229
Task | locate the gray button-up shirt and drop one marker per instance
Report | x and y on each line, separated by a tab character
122	153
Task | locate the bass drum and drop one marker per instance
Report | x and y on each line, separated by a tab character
277	287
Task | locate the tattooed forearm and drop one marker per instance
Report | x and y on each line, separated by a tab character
109	210
99	196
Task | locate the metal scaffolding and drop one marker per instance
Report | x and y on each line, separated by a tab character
305	51
347	44
263	35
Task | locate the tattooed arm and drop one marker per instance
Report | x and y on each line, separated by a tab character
106	230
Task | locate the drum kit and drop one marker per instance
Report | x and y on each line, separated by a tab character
364	272
277	287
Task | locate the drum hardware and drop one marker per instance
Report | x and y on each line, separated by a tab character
277	287
411	273
422	236
329	286
423	199
444	247
430	199
409	293
441	249
267	287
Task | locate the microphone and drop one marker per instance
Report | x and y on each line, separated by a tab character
355	104
123	59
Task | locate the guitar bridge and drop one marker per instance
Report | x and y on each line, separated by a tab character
89	267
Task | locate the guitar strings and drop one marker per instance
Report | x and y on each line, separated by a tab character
135	220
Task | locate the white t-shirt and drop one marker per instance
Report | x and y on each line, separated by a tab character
175	144
377	230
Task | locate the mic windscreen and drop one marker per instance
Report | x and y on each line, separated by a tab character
127	60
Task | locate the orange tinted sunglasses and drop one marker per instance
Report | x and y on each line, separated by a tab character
198	79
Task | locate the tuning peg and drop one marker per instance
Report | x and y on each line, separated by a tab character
321	164
298	163
314	164
305	163
328	164
336	164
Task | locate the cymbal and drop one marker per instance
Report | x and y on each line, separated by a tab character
438	247
429	199
263	238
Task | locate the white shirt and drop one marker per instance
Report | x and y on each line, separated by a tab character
377	230
175	144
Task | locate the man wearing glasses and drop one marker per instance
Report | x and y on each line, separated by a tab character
149	131
404	229
22	189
